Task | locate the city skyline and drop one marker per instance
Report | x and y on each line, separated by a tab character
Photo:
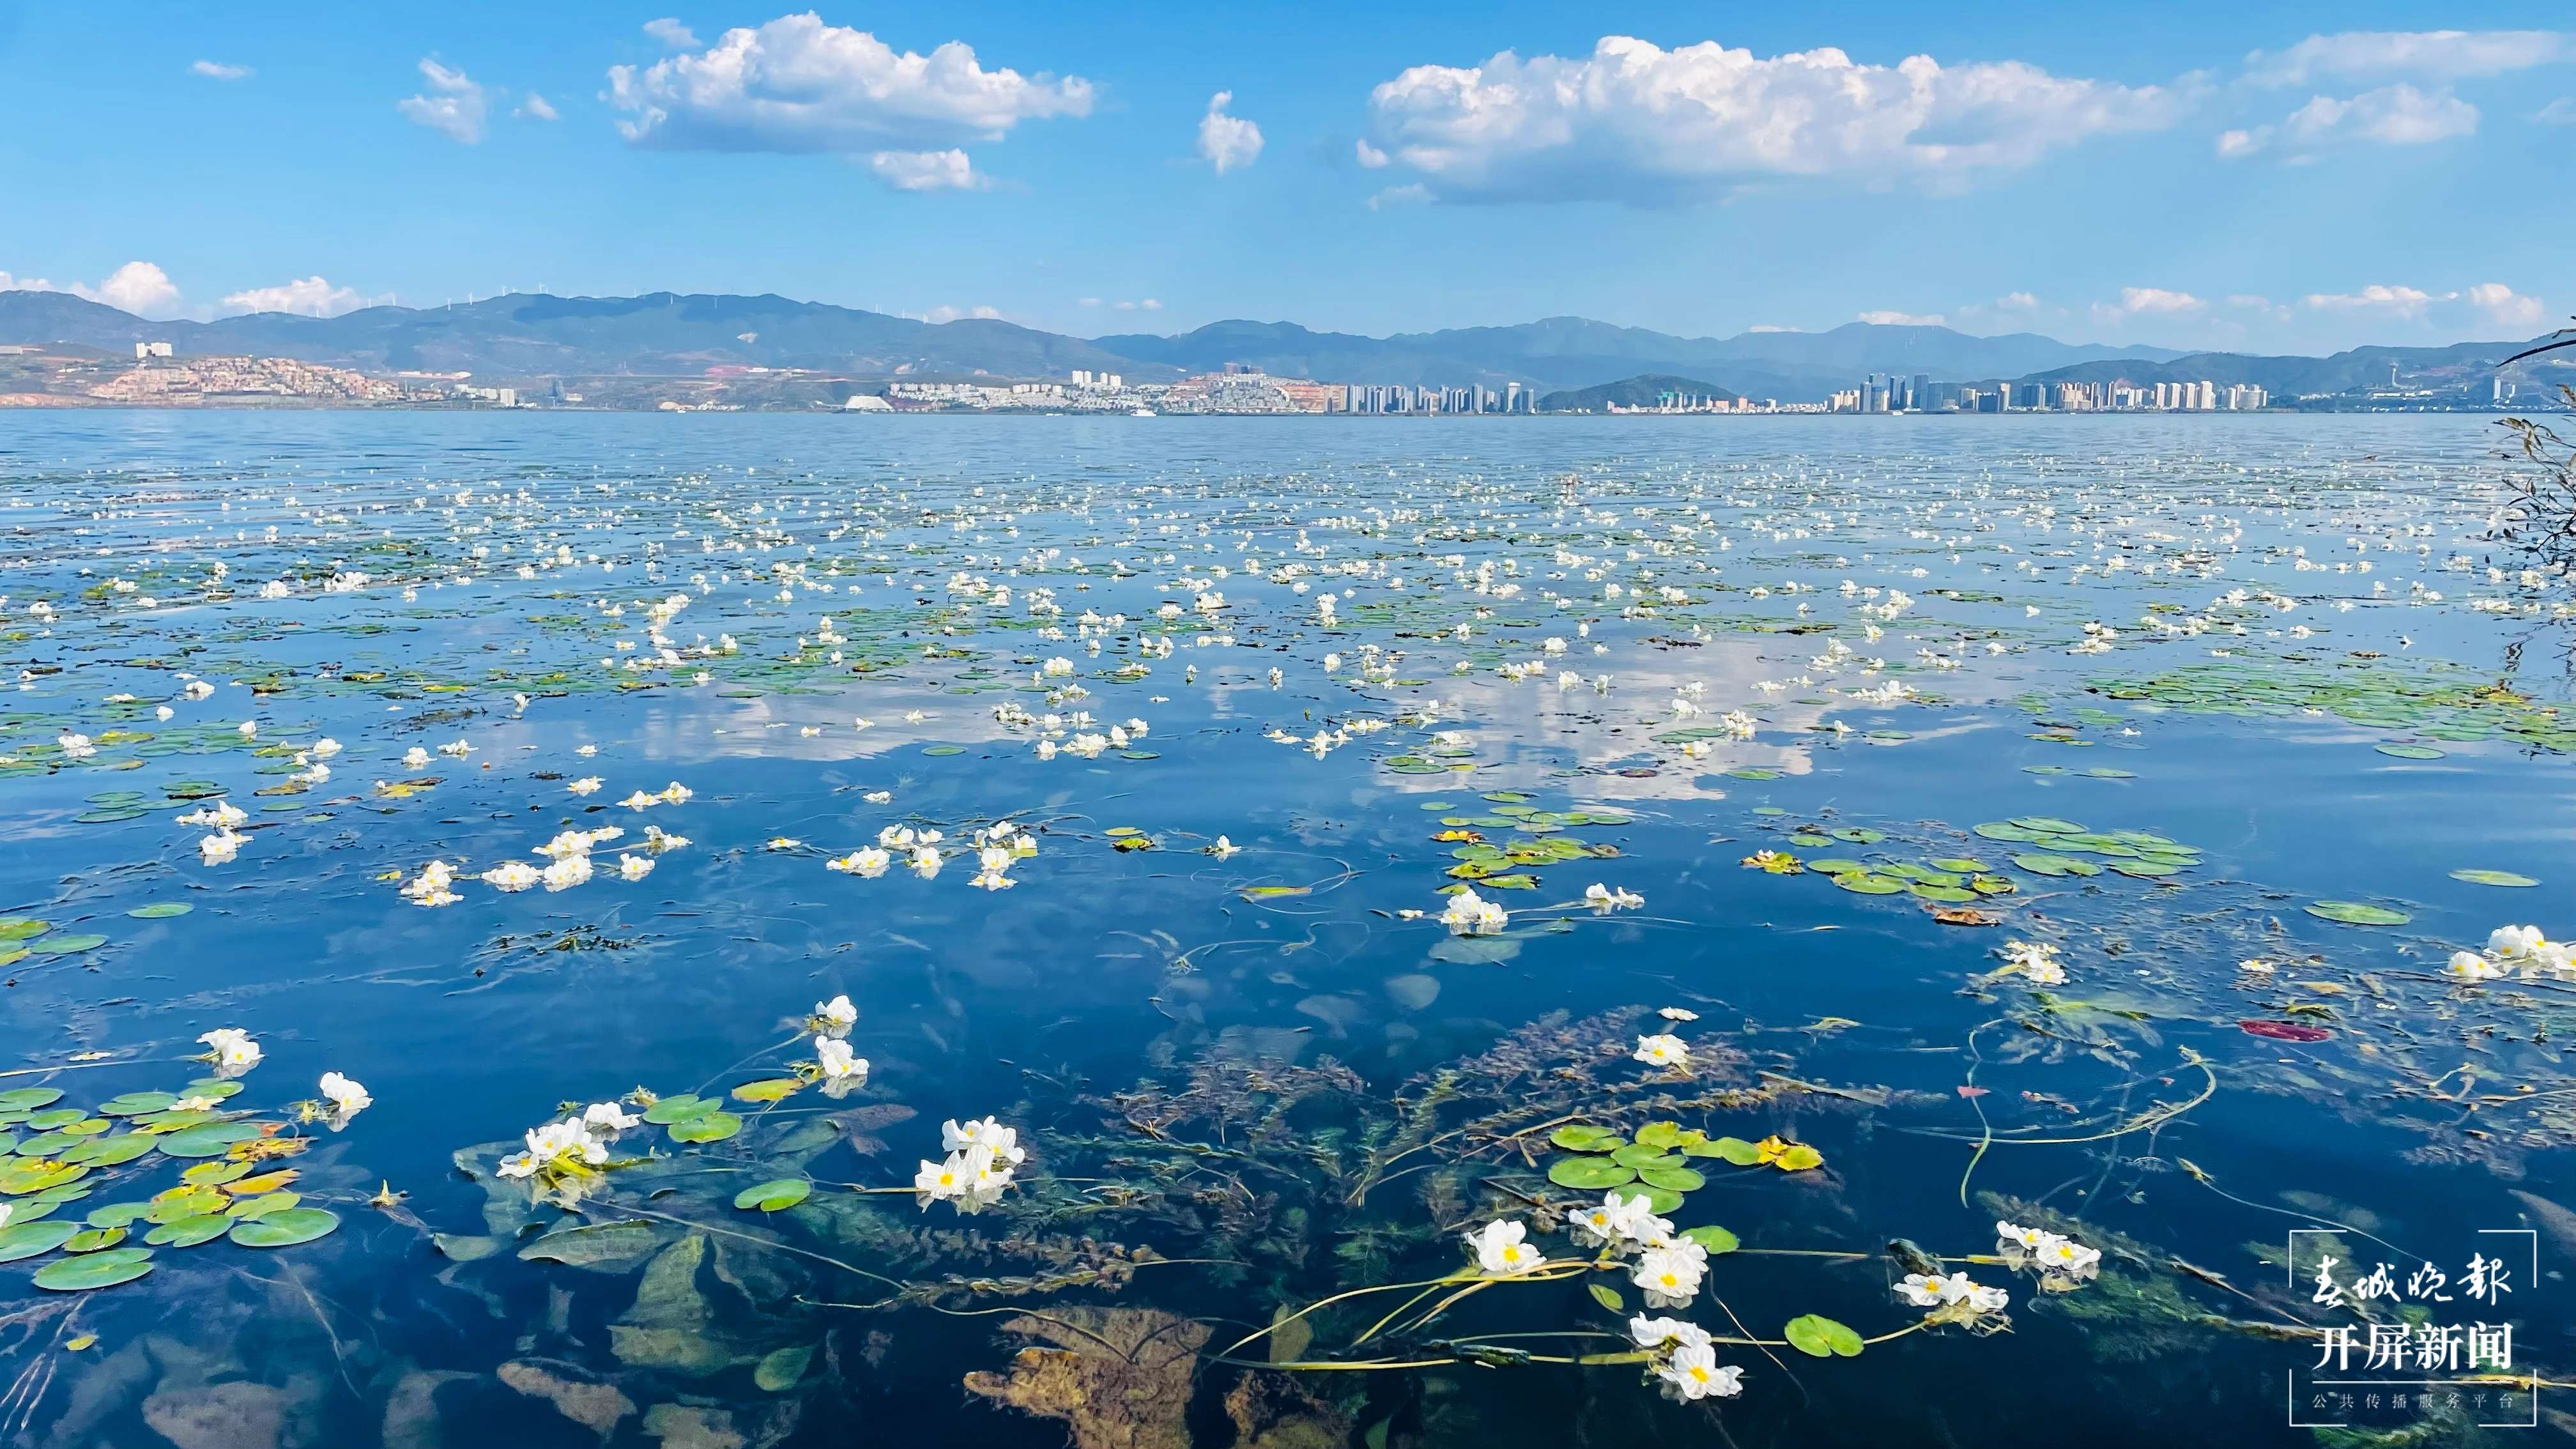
2195	178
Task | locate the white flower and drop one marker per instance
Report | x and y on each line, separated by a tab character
2470	966
836	1016
1923	1290
1223	848
220	847
609	1117
839	1063
511	875
415	758
1694	1374
566	873
1657	1332
2512	943
233	1052
640	801
2028	1240
2065	1255
1500	1249
634	867
2036	961
1662	1050
953	1178
1469	914
1678	1013
1670	1274
249	729
346	1096
925	861
988	1133
1601	898
76	745
586	785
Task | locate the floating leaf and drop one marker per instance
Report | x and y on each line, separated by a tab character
778	1371
2493	878
66	945
706	1127
1736	1150
1589	1174
160	910
1581	1138
210	1140
135	1104
94	1270
189	1232
679	1109
593	1245
1660	1135
2409	752
1712	1237
772	1197
1812	1333
1608	1297
2357	913
1677	1179
775	1089
285	1229
26	1240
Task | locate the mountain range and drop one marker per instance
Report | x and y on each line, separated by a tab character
522	337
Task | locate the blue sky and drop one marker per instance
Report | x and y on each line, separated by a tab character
2270	178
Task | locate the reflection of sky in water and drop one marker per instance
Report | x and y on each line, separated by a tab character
1098	970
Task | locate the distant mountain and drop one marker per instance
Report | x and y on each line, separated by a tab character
2467	363
522	336
1573	352
665	335
1649	390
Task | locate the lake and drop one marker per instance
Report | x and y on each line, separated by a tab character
1045	930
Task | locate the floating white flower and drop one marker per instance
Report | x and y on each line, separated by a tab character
609	1118
925	861
1694	1373
231	1050
586	785
1670	1274
1678	1013
634	867
1601	898
838	1062
2036	961
1501	1248
835	1017
1662	1332
511	875
346	1097
220	847
1469	914
1662	1050
566	873
415	758
2470	966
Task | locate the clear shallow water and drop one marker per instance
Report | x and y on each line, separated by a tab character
1217	1060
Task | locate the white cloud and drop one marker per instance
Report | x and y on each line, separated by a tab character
2432	54
2017	302
1371	157
1090	302
2398	115
952	314
1412	193
1768	327
1147	304
537	108
2232	144
308	297
2560	112
1228	143
217	70
949	170
454	107
671	34
796	84
137	287
2506	306
2157	299
1635	122
1904	319
11	283
2408	302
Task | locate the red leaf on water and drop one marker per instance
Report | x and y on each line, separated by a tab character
2283	1030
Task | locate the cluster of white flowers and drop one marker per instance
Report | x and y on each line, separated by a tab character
570	1147
231	1050
2515	950
1690	1369
1936	1291
347	1098
1602	898
981	1157
224	842
430	887
2060	1261
1663	1049
2035	961
1469	914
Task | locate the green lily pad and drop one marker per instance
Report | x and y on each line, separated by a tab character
285	1229
2493	878
109	1151
771	1197
2042	864
775	1089
1868	883
2409	752
1676	1179
160	910
66	945
189	1232
1590	1174
1737	1151
2357	913
209	1140
706	1127
20	928
1712	1237
94	1270
26	1240
679	1109
135	1104
1822	1337
1581	1138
